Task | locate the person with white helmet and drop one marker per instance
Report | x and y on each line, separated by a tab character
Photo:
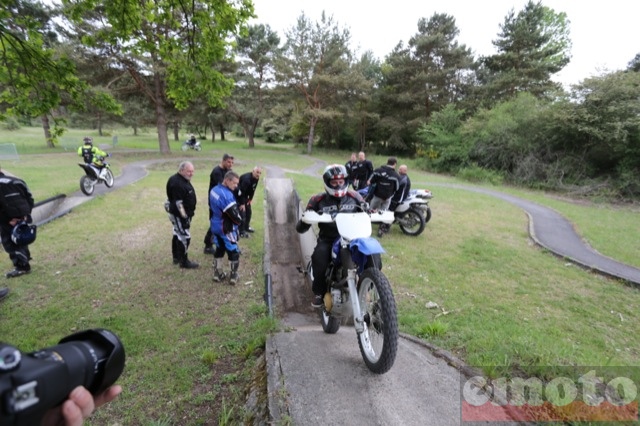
337	197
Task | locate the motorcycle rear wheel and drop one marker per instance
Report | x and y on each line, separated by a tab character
198	148
330	324
108	178
379	340
87	185
184	147
412	222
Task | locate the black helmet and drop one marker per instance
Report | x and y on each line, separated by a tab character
23	234
192	137
333	172
87	140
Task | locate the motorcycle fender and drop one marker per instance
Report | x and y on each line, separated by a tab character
367	246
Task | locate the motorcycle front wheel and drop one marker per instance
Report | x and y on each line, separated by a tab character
184	147
412	222
379	340
198	148
108	178
87	185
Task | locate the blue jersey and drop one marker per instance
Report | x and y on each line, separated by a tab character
223	208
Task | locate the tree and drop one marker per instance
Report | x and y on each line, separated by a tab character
255	74
532	46
35	78
315	64
431	72
177	44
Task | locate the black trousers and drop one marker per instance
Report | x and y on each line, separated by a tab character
246	218
320	260
19	255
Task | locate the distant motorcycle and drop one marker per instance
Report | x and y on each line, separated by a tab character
187	145
412	214
94	175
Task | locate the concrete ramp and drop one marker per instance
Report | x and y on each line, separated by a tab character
316	378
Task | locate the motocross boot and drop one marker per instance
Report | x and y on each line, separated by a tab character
233	277
218	273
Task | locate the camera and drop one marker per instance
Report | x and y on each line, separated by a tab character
32	383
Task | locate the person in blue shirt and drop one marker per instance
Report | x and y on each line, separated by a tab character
225	218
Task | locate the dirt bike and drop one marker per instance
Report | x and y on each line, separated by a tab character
186	146
358	288
412	214
94	175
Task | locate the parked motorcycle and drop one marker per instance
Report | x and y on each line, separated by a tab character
412	214
358	288
94	175
187	145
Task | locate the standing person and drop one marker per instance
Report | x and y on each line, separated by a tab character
225	218
362	172
384	182
16	203
349	166
181	206
244	194
215	178
336	198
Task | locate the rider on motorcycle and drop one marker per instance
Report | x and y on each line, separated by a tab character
92	154
192	140
336	198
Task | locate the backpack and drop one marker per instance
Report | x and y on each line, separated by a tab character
87	154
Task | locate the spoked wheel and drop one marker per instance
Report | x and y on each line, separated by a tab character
184	147
108	178
87	185
427	215
198	148
379	340
412	223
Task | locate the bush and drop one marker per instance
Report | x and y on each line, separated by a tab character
11	124
478	174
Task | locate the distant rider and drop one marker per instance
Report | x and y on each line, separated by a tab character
336	198
92	154
192	140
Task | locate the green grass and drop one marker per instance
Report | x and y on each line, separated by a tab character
192	345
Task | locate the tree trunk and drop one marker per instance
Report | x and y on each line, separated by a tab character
99	119
222	132
47	130
161	116
176	131
312	128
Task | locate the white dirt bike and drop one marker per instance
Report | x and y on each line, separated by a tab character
186	146
358	288
94	175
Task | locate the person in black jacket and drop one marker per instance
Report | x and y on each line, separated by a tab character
215	178
16	203
181	207
336	198
361	172
384	182
244	195
350	166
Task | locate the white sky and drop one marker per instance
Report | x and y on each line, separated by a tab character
605	35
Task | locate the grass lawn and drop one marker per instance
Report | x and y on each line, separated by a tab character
193	346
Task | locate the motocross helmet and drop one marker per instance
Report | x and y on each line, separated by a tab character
192	138
23	233
333	172
87	140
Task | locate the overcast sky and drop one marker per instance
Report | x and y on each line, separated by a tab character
605	34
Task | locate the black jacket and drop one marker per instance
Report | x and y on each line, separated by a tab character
361	171
180	188
324	203
217	176
16	200
246	188
385	182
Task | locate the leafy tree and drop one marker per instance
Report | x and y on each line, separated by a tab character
443	148
177	44
533	45
257	52
316	64
34	77
431	72
634	64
